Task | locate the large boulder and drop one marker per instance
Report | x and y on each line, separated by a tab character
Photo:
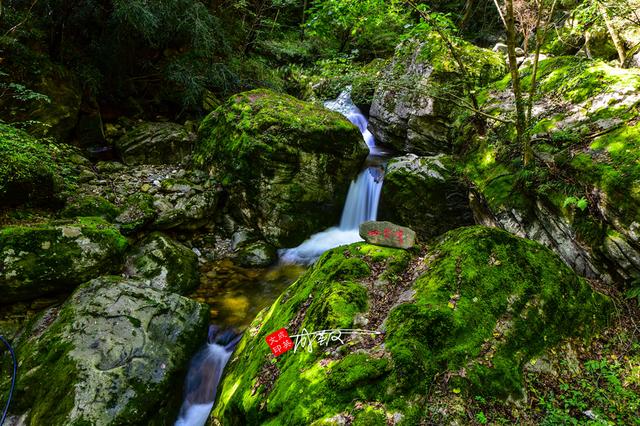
155	143
412	108
580	195
114	353
165	264
466	317
56	257
33	171
286	164
424	194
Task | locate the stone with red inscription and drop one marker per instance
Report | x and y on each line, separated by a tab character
388	234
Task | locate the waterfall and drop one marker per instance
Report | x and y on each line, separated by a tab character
362	200
205	371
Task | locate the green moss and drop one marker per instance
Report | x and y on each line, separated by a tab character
32	171
257	122
138	213
57	256
95	206
356	370
488	304
287	161
370	417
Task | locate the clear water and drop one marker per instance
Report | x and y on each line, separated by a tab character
362	200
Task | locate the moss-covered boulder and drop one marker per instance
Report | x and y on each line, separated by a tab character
155	143
465	317
33	171
56	257
114	353
424	194
90	206
164	264
583	186
285	163
412	109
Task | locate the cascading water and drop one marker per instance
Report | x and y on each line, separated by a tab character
204	375
362	200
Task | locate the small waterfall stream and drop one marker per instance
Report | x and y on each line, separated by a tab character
205	372
362	200
206	368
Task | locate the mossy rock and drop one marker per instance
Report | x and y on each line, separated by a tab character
155	143
90	205
137	213
411	110
256	254
115	353
32	171
163	264
57	256
424	194
286	164
483	304
585	124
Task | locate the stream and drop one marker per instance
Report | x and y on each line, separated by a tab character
236	295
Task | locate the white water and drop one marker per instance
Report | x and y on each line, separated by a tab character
202	381
362	200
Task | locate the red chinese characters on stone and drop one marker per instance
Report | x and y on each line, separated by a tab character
279	342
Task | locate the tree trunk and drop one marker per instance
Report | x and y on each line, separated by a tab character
615	37
469	5
515	83
304	17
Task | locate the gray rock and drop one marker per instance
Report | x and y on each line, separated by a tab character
420	192
155	143
114	353
257	255
409	112
164	264
189	212
387	234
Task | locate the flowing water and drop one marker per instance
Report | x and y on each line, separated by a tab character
362	200
204	375
235	294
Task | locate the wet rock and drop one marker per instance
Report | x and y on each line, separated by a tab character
307	157
155	143
422	193
114	353
256	255
387	234
56	257
163	264
485	303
